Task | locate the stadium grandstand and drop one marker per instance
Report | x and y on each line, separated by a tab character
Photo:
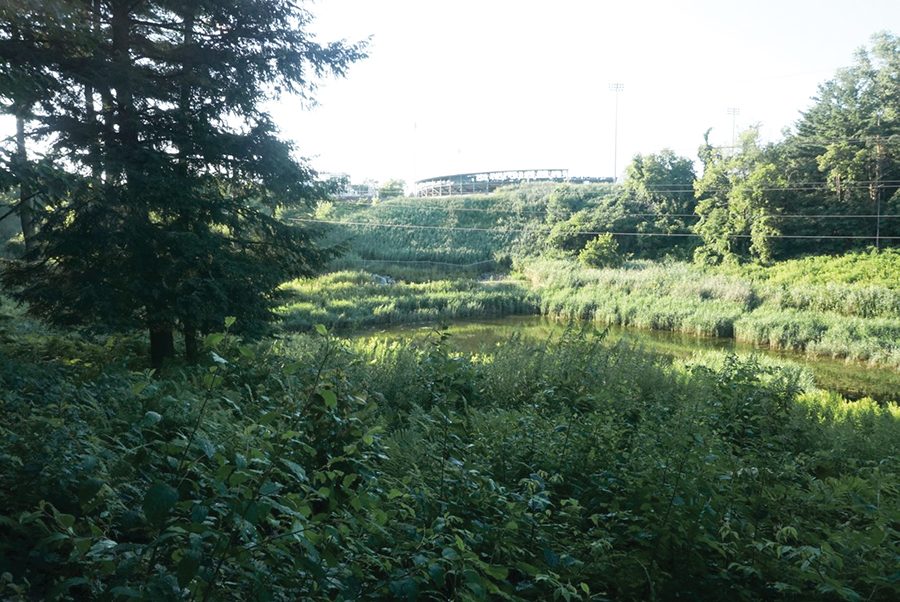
488	181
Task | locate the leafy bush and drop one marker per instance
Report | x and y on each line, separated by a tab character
601	252
313	468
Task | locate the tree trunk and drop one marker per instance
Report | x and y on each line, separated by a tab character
162	345
126	114
128	163
191	345
26	215
90	111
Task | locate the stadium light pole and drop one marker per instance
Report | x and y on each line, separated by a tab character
616	88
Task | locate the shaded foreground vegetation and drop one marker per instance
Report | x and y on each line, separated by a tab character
315	468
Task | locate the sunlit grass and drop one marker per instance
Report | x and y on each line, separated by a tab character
353	299
841	320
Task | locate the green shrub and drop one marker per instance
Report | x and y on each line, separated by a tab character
601	252
317	469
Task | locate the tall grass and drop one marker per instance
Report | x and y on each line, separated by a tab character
642	295
848	321
864	268
852	321
876	339
354	299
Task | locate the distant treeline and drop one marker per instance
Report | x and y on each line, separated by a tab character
830	186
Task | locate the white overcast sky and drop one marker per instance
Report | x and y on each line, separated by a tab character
473	85
476	85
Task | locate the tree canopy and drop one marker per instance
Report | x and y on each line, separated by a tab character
170	174
831	185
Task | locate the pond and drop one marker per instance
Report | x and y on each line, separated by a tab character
852	379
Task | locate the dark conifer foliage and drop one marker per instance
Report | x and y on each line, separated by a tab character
174	177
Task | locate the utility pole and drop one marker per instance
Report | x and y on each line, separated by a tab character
415	186
616	87
734	112
879	187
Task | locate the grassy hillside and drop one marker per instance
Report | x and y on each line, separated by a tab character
492	229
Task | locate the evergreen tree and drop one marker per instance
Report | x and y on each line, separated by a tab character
170	219
28	31
851	137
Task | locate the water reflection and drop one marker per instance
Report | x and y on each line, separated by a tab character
852	379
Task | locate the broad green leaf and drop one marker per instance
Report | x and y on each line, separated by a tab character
126	592
208	448
199	513
188	568
66	520
329	397
160	499
497	572
151	418
269	487
213	339
298	470
89	488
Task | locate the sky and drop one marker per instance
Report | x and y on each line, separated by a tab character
478	85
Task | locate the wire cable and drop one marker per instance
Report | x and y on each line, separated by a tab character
460	265
647	214
589	232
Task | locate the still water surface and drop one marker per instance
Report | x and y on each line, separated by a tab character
852	379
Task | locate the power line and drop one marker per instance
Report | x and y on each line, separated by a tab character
512	211
616	88
461	265
590	232
646	214
817	141
793	187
